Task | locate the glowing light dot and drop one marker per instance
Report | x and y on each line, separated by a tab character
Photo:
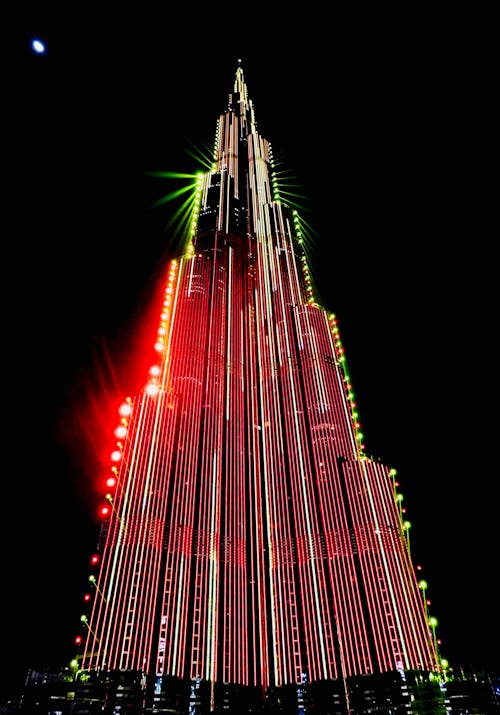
422	585
38	46
104	511
116	455
78	640
94	559
120	431
154	370
152	389
159	347
111	482
433	621
125	409
87	597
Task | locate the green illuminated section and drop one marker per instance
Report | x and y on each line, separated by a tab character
282	190
340	353
433	623
204	155
305	233
186	201
283	187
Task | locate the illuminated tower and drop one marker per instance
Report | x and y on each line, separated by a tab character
250	541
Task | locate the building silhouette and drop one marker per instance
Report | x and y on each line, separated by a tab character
253	557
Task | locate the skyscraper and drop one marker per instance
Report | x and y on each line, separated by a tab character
249	541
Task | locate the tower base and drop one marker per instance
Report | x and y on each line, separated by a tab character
132	692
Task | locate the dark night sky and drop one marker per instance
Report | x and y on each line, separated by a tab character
388	128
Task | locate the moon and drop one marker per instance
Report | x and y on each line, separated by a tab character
38	46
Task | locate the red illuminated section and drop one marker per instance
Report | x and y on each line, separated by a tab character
249	539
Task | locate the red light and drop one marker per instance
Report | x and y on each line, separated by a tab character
111	482
87	597
104	511
94	559
120	431
78	640
116	455
125	409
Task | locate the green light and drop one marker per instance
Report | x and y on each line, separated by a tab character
170	175
204	155
422	584
83	619
392	472
407	525
433	621
400	497
444	662
171	196
73	663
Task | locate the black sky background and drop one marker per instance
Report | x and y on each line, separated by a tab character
387	126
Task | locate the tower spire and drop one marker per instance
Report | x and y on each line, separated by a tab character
240	92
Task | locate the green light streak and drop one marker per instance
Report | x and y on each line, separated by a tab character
204	155
182	215
169	175
171	196
180	221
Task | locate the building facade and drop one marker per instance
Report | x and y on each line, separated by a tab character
250	543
